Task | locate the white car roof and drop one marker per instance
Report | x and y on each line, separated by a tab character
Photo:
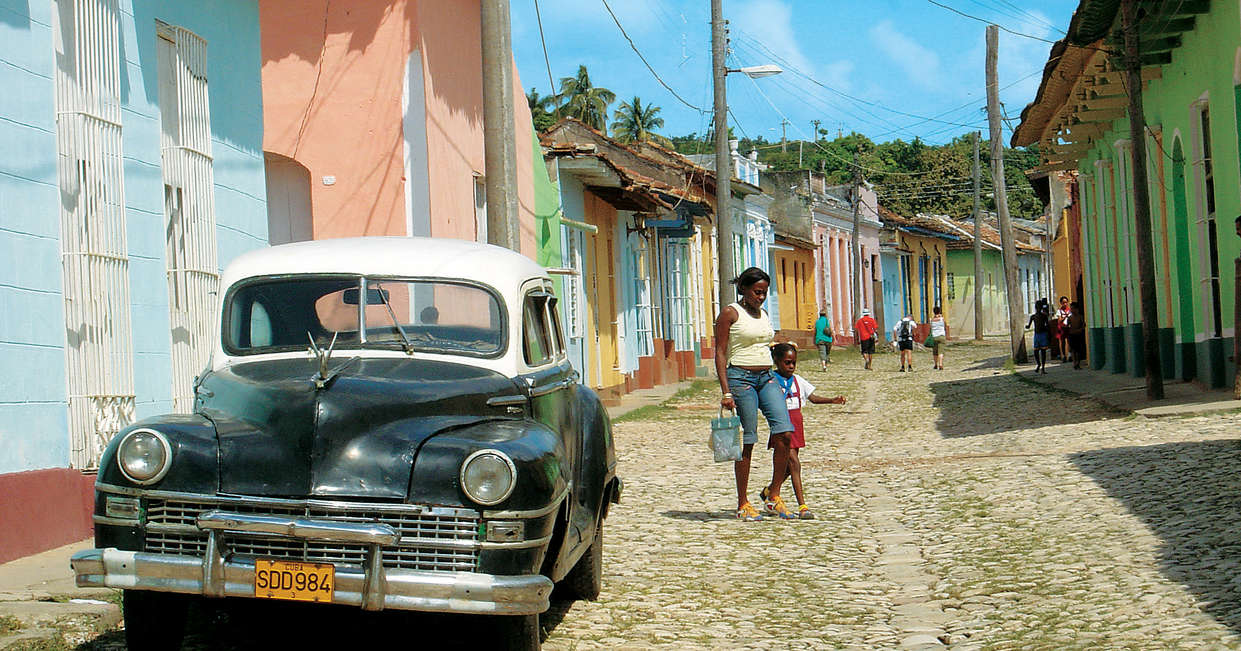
501	268
506	271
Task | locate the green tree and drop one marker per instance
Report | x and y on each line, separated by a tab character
583	100
542	109
635	121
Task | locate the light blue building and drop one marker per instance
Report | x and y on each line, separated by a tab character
131	172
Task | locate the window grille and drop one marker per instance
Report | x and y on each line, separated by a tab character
94	258
573	297
677	295
694	273
641	298
189	207
1208	235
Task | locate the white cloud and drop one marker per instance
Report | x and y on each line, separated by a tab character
919	63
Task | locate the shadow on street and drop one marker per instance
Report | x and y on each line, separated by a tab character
1189	495
1002	403
250	625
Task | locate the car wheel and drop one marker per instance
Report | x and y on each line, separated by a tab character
154	620
586	578
518	632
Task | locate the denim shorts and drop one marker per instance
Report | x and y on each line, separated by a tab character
755	390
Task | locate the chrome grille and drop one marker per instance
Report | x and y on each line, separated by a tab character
430	540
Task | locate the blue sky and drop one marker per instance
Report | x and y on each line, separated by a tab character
894	58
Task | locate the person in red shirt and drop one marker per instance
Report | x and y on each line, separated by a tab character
866	328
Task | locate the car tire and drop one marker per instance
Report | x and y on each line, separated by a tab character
154	620
586	578
518	633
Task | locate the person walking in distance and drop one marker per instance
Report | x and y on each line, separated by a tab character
903	335
823	339
1077	333
866	327
939	333
743	335
1041	320
1061	329
797	392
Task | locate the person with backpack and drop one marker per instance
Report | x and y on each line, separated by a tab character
865	329
903	335
823	339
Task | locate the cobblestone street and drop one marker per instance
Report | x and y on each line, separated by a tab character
965	507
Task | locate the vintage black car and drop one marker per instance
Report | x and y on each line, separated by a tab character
387	423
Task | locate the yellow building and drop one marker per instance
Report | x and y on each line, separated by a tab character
919	248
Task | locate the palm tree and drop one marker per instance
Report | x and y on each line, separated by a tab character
637	122
583	100
542	109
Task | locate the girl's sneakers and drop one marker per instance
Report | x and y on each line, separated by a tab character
775	506
747	513
804	512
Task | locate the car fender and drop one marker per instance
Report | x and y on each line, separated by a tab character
536	452
593	478
195	455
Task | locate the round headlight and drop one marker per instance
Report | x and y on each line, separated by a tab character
144	456
488	477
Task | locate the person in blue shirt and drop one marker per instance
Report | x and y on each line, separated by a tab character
823	339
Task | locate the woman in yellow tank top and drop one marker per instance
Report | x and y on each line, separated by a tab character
743	335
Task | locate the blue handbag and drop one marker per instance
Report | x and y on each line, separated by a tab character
725	442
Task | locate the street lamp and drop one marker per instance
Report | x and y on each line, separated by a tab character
755	72
723	166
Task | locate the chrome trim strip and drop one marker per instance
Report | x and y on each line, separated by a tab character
103	519
551	388
331	505
448	592
304	528
524	544
537	513
504	401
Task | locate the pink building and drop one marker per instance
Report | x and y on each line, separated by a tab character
804	197
374	121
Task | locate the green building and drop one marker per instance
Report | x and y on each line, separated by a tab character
1191	68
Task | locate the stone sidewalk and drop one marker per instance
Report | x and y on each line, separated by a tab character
1128	393
40	604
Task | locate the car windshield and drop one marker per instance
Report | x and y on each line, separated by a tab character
433	316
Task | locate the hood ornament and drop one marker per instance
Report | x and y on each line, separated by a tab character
323	356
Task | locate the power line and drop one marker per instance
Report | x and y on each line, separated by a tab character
539	17
644	61
988	22
844	94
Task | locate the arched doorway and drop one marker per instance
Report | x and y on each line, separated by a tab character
289	214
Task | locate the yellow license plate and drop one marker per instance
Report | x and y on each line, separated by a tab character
294	580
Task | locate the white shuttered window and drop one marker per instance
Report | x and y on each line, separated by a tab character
95	264
189	209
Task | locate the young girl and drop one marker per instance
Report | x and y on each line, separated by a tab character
797	391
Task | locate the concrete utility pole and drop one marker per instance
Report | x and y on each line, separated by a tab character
978	277
499	132
857	244
784	142
815	134
1016	316
1141	202
723	163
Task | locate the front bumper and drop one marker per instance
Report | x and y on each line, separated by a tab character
370	586
449	592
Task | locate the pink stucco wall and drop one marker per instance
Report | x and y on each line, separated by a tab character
333	80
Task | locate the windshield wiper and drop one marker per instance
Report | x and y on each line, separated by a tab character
383	296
